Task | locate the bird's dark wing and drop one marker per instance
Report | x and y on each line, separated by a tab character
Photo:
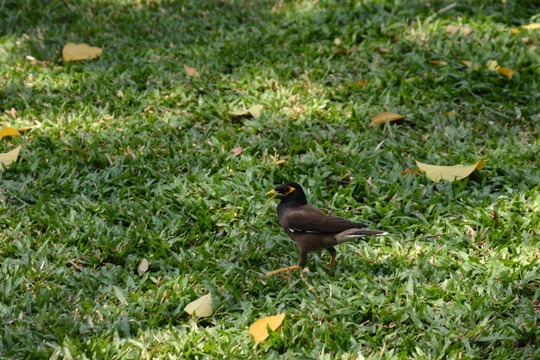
309	219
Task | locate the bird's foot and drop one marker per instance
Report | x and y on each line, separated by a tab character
279	271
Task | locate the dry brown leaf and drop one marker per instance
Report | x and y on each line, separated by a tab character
384	117
9	131
506	72
450	173
436	62
258	329
9	157
202	307
237	151
190	71
78	52
532	26
465	30
384	50
361	82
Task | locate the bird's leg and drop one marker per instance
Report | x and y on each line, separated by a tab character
301	264
282	270
332	252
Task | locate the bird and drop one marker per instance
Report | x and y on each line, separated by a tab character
310	228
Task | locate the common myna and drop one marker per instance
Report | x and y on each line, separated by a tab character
310	227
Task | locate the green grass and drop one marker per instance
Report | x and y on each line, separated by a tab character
160	181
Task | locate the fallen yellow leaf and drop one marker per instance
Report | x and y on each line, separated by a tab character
514	31
258	329
254	111
10	156
202	307
435	62
384	117
533	26
337	41
190	71
78	52
9	131
450	113
492	65
450	173
362	82
506	72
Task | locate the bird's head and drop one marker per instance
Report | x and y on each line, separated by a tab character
288	192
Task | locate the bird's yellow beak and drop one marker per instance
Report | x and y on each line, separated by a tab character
272	192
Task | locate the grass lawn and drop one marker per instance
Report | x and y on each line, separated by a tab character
131	158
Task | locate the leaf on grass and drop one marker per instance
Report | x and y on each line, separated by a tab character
337	41
9	131
78	52
492	65
258	329
450	173
465	30
361	82
450	113
514	31
384	50
190	71
9	157
506	72
384	117
143	266
436	62
202	307
237	151
254	111
468	63
532	26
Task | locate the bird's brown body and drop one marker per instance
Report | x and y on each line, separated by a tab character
310	228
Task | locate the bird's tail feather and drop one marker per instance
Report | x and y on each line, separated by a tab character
352	234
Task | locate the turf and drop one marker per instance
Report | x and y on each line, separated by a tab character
131	158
